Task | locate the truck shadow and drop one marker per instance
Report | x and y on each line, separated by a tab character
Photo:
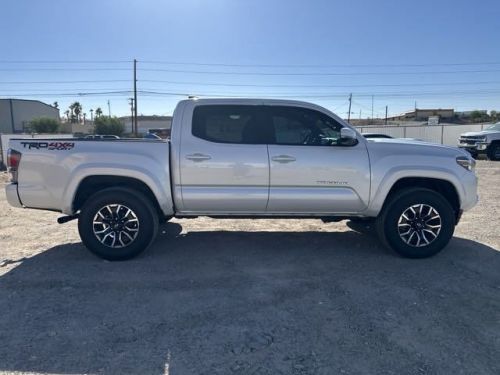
253	302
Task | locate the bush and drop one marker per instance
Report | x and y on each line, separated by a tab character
44	125
105	125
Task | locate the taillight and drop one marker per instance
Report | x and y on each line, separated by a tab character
13	160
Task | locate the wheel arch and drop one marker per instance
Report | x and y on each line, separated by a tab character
448	185
443	187
93	183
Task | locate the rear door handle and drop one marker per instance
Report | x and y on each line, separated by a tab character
198	157
283	158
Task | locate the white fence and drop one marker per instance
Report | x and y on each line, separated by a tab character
4	141
446	134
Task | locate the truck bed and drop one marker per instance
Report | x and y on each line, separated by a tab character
51	169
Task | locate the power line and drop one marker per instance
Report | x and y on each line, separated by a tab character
254	85
64	61
326	96
315	65
63	82
315	73
318	86
74	89
192	63
59	69
74	94
243	95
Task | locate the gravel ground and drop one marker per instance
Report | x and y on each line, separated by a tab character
251	297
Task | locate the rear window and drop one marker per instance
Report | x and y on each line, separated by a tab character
228	124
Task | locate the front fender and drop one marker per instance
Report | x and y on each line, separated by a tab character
382	188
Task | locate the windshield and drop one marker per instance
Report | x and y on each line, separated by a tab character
494	127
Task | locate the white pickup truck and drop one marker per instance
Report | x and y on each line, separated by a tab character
234	158
486	142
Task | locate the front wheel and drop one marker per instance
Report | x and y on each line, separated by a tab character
493	152
416	223
117	223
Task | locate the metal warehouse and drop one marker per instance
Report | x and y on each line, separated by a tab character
15	114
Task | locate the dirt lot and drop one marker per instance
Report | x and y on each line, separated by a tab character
251	297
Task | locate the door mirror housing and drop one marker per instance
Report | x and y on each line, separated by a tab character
348	137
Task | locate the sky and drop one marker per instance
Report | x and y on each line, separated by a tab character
432	54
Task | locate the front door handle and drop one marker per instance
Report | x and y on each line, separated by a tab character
283	158
198	157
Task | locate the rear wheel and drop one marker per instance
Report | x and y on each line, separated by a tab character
416	223
493	152
117	223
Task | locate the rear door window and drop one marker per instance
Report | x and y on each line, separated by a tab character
240	124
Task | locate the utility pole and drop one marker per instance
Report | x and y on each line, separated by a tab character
360	114
349	113
92	115
109	108
131	102
386	115
372	107
135	97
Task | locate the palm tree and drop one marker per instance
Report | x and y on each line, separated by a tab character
66	112
76	109
98	112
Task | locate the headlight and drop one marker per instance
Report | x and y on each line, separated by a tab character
466	162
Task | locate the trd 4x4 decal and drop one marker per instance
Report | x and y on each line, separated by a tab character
49	145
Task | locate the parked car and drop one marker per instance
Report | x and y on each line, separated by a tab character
101	136
485	142
233	158
151	136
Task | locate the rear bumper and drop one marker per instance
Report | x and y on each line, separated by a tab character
12	196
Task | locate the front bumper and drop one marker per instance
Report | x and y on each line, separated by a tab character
470	196
476	148
13	196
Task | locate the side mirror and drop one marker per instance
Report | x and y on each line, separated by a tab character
348	137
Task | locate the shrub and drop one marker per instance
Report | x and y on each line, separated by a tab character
105	125
44	125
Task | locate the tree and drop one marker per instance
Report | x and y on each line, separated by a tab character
479	116
55	105
495	116
66	112
98	112
44	125
76	109
105	125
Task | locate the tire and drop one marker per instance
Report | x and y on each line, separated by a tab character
129	212
431	233
493	152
